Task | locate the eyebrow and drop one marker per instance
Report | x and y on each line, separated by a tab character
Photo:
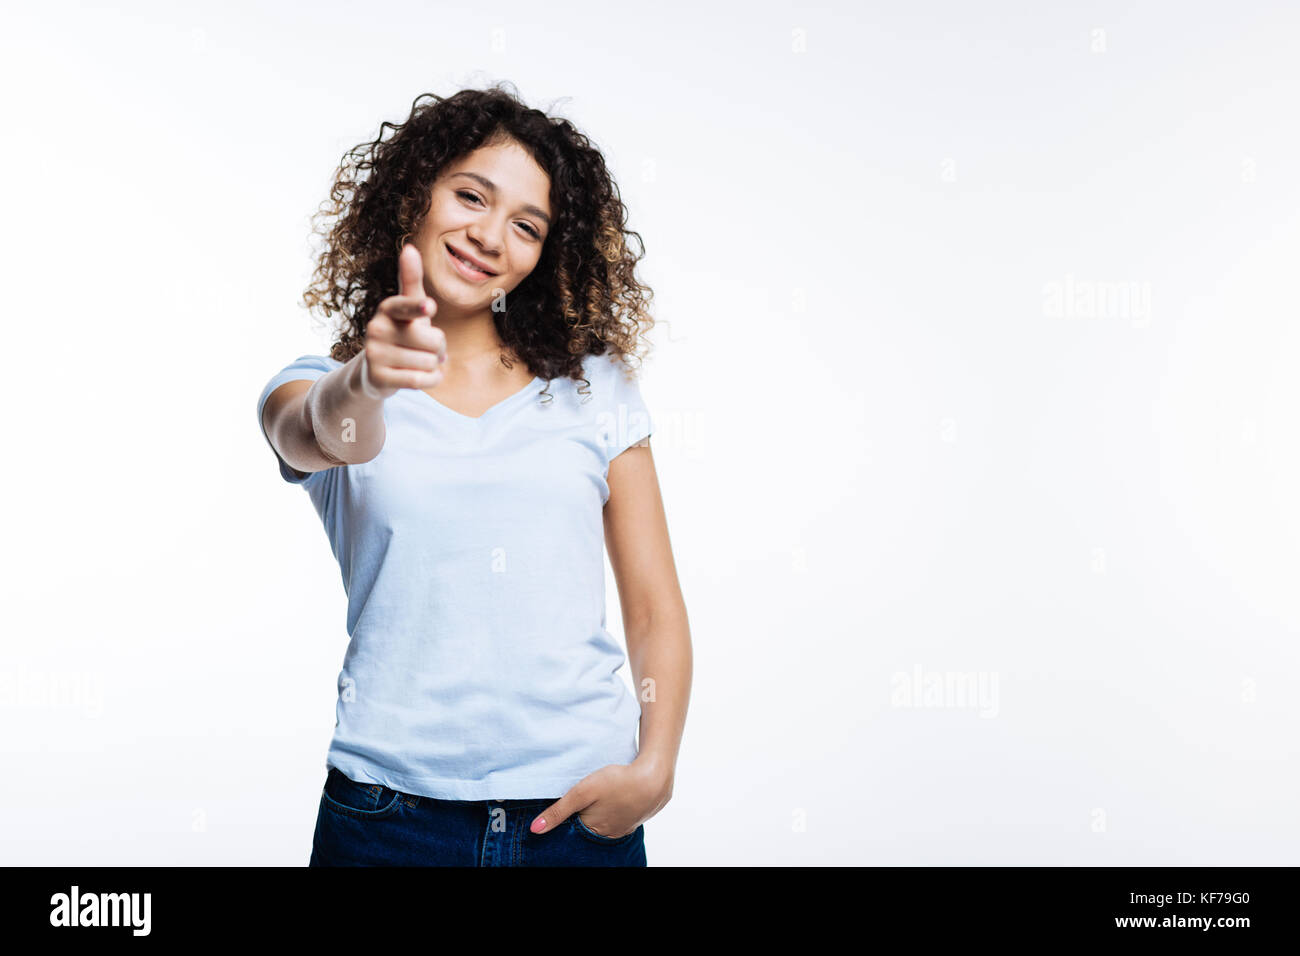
491	187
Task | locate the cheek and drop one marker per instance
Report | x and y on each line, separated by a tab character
526	259
444	215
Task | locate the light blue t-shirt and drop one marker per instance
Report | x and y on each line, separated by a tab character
472	555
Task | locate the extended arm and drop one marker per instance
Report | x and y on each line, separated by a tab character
331	421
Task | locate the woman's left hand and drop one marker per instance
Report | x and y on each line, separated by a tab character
612	801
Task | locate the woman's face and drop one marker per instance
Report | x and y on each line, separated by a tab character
494	207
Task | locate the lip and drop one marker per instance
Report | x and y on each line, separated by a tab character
478	263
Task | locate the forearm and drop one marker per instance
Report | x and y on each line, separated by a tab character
346	419
659	651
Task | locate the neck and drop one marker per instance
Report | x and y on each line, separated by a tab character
473	345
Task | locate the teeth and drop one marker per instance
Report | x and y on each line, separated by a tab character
471	265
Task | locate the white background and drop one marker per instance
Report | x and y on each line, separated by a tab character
889	460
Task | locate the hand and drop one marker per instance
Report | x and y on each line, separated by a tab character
613	800
399	351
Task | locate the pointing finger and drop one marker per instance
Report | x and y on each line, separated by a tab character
406	307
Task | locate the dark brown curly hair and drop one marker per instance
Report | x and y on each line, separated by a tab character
582	298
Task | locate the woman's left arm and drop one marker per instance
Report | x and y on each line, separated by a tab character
615	800
654	613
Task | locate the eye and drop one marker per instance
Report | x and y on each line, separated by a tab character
467	195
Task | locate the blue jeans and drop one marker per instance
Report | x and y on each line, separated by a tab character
363	824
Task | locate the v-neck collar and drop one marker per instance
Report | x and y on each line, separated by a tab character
491	412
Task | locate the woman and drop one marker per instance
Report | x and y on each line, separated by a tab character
472	443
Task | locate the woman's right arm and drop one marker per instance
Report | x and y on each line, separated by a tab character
331	421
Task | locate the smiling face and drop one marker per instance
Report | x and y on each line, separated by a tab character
491	207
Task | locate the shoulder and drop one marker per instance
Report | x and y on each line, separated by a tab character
314	363
609	373
607	383
303	367
306	366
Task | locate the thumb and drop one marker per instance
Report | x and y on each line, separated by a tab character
410	272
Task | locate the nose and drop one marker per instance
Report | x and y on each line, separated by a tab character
486	234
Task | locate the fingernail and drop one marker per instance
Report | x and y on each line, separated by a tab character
427	305
538	825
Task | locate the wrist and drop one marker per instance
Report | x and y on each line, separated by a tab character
657	766
359	385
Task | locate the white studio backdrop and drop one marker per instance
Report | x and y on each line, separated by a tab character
975	394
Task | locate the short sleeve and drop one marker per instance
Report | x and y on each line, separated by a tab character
305	367
624	417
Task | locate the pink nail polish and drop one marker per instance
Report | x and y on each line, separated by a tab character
538	825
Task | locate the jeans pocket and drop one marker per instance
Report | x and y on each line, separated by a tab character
595	837
361	801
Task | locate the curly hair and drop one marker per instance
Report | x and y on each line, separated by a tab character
581	299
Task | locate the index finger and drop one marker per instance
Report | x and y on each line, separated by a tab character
406	307
557	813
